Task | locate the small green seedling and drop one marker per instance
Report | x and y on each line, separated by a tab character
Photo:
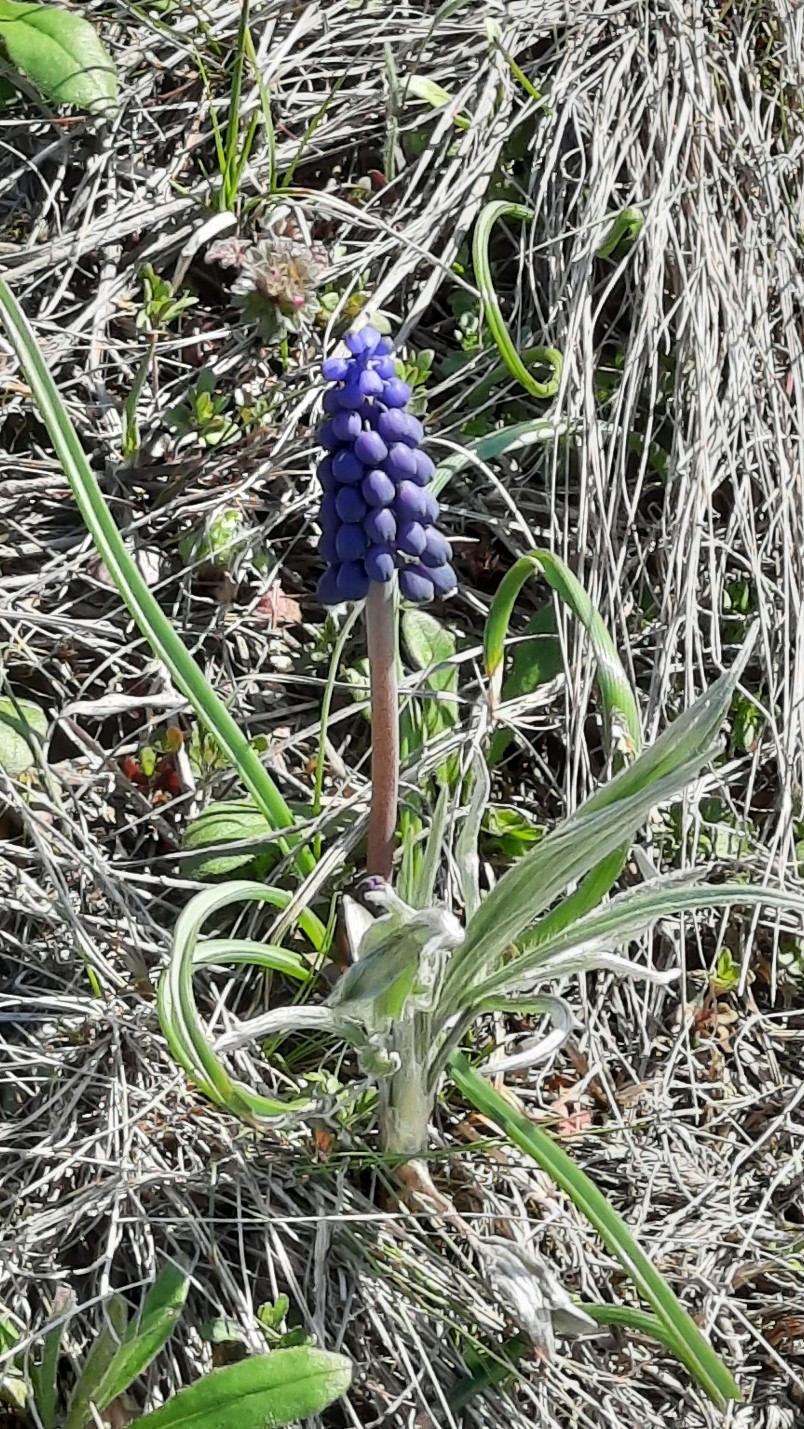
204	414
280	1387
161	306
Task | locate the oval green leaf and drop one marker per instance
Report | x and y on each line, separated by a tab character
61	54
23	727
237	821
259	1393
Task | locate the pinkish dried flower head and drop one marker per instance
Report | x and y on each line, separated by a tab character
276	282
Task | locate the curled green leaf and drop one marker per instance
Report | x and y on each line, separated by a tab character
678	1329
549	356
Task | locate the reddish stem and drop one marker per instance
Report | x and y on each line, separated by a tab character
380	637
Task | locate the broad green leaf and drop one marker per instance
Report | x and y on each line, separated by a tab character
260	1393
681	1333
99	1356
237	821
223	1331
61	54
427	641
23	727
431	647
9	1333
145	1336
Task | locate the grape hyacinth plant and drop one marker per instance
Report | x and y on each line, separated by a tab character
378	523
422	974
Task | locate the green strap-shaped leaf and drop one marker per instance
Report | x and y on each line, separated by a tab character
620	709
260	1393
99	1356
681	1333
178	1014
61	54
133	589
597	832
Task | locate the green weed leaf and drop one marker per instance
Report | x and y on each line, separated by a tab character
145	1336
23	727
100	1355
237	821
259	1393
44	1371
427	642
61	54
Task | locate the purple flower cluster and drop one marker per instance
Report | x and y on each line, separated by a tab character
377	514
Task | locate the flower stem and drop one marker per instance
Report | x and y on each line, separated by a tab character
381	641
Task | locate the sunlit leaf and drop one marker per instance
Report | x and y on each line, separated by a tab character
260	1393
61	54
680	1331
145	1335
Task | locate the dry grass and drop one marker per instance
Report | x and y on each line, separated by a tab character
685	483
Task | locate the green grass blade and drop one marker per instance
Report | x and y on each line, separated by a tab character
681	1333
230	158
481	261
45	1373
144	1337
145	610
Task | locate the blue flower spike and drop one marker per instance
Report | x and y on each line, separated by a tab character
378	516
